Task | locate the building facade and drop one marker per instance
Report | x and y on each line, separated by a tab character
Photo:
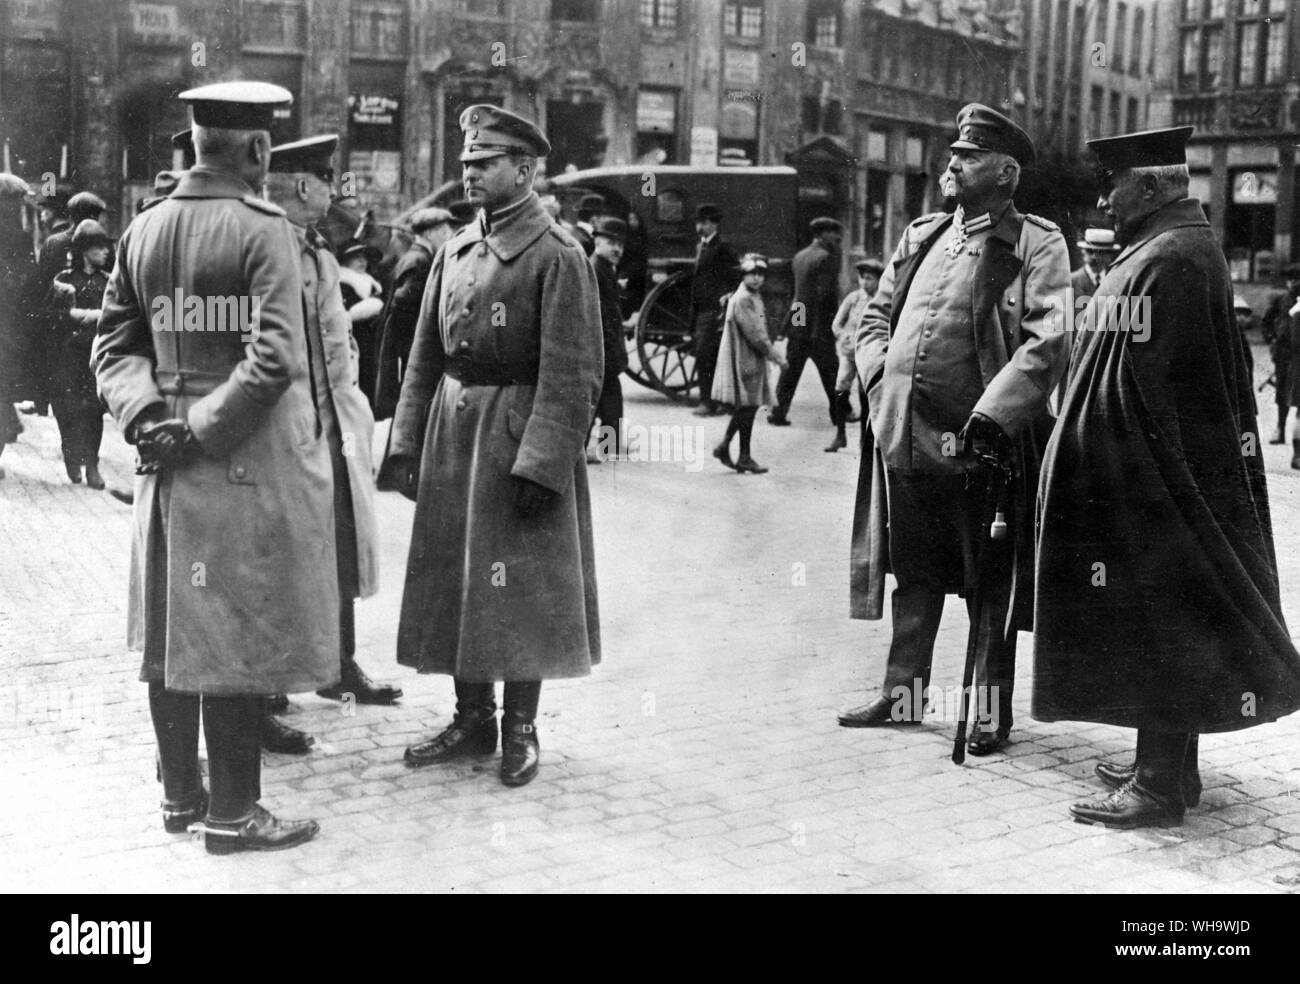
1087	70
859	96
1228	68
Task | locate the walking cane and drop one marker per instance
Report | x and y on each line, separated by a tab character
999	477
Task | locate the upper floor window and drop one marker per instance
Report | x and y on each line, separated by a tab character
1261	42
823	28
575	10
482	8
744	20
659	13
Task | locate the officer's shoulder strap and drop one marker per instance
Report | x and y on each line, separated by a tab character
926	219
262	205
563	235
1041	222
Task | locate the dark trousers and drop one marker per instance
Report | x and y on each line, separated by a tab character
81	429
609	409
1165	759
708	339
230	728
823	355
936	532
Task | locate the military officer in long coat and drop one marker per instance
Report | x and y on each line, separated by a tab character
958	351
1157	601
299	182
505	371
202	359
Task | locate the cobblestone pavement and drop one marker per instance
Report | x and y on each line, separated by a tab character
703	755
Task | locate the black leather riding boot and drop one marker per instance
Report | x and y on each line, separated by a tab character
473	731
520	752
232	727
176	726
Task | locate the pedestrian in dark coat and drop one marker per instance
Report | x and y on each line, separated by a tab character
1276	328
1157	602
80	291
16	266
811	324
742	381
958	350
717	271
505	371
607	249
234	588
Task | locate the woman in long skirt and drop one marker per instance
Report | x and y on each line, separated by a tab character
741	380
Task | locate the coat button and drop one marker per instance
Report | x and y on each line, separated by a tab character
482	250
465	311
461	405
464	346
240	471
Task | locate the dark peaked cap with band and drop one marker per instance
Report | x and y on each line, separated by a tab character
981	128
310	156
1147	148
493	132
236	105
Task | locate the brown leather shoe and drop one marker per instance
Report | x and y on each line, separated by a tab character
1131	806
837	442
520	752
259	832
877	714
1116	774
747	464
472	733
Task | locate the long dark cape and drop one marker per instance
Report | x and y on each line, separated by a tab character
1157	594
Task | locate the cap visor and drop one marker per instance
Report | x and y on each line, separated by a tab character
965	145
480	155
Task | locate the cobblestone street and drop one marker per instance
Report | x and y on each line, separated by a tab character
702	755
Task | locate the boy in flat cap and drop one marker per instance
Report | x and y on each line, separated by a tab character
844	328
234	588
489	434
810	326
1157	598
299	181
958	351
717	272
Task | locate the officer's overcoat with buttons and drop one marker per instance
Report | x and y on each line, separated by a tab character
346	414
490	595
233	586
1018	327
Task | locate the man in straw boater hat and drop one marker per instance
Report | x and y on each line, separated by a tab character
1098	249
1157	602
958	350
488	438
202	359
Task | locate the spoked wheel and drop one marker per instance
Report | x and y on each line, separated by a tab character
634	362
665	343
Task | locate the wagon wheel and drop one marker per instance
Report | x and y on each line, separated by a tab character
664	341
634	361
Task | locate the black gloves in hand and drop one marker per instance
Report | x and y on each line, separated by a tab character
983	438
531	498
406	475
163	444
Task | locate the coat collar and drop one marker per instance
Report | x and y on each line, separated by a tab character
511	234
201	181
1175	215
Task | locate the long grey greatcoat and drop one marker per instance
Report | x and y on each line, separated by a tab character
742	379
350	431
1157	601
1017	291
491	596
233	586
